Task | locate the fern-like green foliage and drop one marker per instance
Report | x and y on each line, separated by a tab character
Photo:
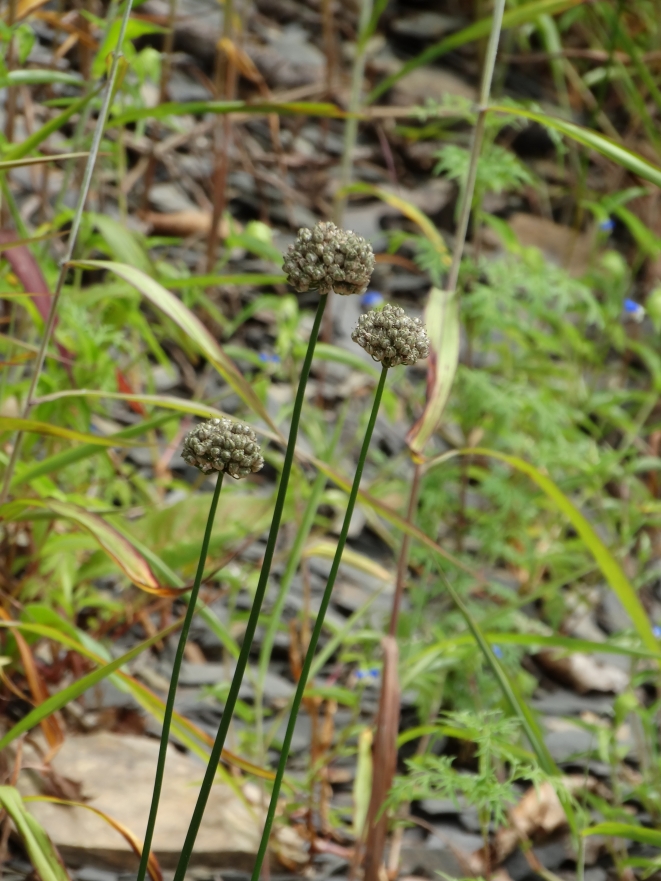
498	169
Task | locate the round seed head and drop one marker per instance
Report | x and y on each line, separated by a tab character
329	257
223	445
390	336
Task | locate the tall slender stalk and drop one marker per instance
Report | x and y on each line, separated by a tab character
450	285
253	619
73	237
293	560
316	632
351	125
174	681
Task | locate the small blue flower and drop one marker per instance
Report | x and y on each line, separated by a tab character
370	299
498	652
634	310
656	630
372	673
269	358
607	225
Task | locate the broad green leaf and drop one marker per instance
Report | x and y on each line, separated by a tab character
15	423
622	156
628	831
122	242
38	845
190	324
524	14
117	546
196	108
53	125
442	321
605	560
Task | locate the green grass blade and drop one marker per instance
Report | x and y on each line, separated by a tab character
622	156
39	78
196	108
15	423
36	160
24	474
38	845
71	692
53	125
247	278
625	830
117	546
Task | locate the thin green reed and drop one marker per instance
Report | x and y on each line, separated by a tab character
174	681
391	338
316	632
294	559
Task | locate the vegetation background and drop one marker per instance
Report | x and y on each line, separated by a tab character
157	160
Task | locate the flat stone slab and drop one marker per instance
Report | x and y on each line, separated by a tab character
117	776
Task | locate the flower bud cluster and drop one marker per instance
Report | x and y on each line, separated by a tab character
390	336
327	257
223	445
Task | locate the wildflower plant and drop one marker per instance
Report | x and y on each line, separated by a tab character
324	258
226	447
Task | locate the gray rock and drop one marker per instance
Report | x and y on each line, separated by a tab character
169	198
417	861
565	745
438	806
562	702
289	60
447	836
117	773
91	873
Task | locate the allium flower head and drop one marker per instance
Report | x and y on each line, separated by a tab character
328	257
223	445
390	336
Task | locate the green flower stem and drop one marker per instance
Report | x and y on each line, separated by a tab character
319	623
174	680
253	620
294	559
